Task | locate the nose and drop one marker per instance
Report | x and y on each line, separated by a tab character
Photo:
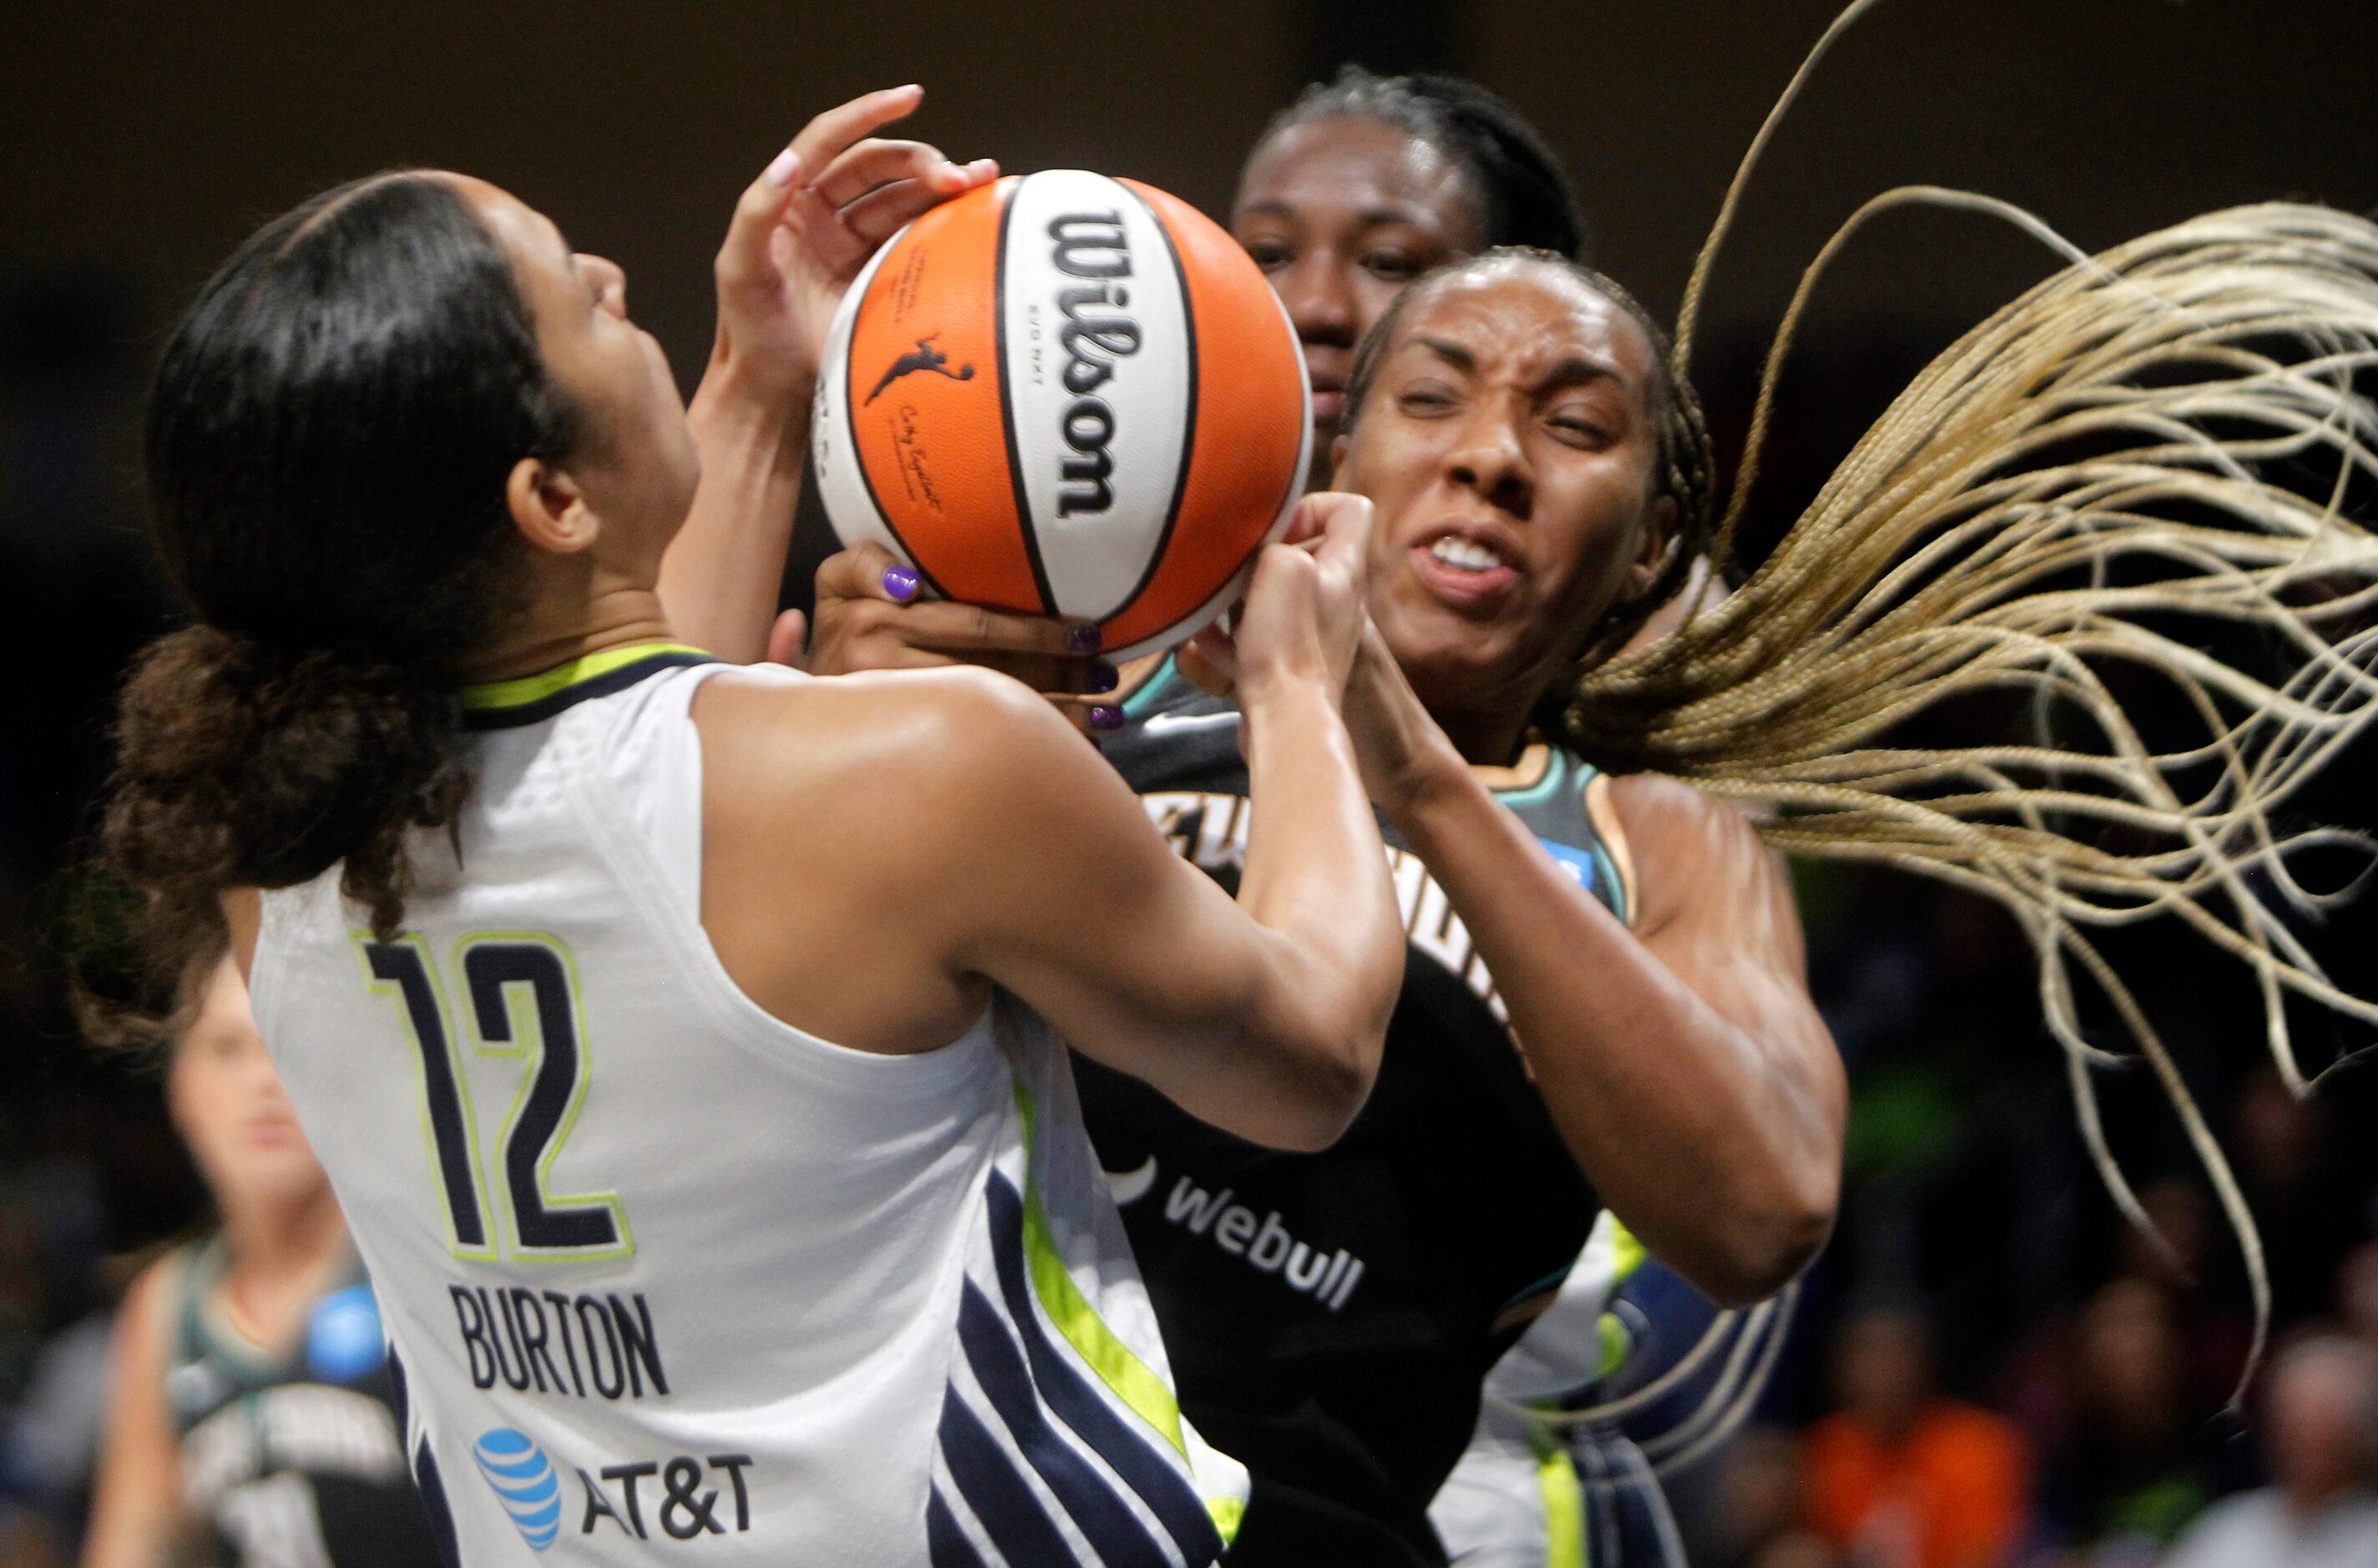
611	284
1320	299
1489	459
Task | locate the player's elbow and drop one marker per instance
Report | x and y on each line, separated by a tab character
1319	1081
1761	1244
1334	1092
1321	1041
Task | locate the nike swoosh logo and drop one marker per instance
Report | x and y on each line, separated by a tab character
1183	724
1131	1186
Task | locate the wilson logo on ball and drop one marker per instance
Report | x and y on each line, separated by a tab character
1091	245
1067	395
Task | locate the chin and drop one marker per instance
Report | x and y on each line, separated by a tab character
1448	672
283	1171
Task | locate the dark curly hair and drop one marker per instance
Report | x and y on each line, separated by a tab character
329	438
1519	180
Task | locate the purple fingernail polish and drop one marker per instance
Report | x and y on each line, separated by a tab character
900	582
1081	639
1104	677
1106	716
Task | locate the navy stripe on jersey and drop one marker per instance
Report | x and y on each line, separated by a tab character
945	1544
1088	1498
1153	1475
398	1400
425	1479
987	1477
432	1488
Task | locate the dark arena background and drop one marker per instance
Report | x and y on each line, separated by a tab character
1978	1263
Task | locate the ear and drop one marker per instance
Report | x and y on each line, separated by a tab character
549	509
1651	556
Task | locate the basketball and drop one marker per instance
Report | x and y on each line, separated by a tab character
1067	395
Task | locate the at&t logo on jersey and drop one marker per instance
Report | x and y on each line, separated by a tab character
524	1482
683	1497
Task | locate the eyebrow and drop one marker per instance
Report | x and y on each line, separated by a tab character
1577	370
1580	370
1452	353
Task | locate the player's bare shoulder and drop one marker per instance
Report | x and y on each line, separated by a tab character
1695	852
916	753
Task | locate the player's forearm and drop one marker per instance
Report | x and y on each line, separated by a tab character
1316	879
719	580
1706	1136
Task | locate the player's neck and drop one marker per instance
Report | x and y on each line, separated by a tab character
552	635
1485	740
282	1247
1486	718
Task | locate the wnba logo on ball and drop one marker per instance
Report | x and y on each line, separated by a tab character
1090	245
523	1482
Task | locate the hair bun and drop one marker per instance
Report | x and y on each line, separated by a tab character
243	764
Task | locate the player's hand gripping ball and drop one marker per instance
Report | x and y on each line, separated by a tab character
1067	395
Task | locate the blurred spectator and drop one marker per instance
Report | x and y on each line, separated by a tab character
49	1446
1900	1477
1798	1550
2309	1221
1758	1504
2321	1429
2200	1264
2357	1292
2136	1465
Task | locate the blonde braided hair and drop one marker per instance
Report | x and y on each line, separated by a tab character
2070	504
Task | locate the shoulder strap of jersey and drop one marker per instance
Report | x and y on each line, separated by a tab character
191	1271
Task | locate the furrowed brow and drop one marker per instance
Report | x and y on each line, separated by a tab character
1579	371
1453	354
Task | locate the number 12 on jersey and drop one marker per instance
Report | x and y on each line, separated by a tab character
523	1005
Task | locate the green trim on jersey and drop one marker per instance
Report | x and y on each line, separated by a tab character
1556	770
1117	1366
1149	689
1627	1252
1563	1499
528	700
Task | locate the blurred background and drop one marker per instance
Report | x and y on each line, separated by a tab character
1979	1277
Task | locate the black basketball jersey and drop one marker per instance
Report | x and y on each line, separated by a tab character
293	1460
1329	1316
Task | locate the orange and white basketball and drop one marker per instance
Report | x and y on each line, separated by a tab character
1070	395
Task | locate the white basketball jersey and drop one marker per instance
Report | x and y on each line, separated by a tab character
666	1278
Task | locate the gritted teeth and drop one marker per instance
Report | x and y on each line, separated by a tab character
1466	555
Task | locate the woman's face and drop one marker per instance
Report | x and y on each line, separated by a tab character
636	464
1341	214
228	1105
1509	444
